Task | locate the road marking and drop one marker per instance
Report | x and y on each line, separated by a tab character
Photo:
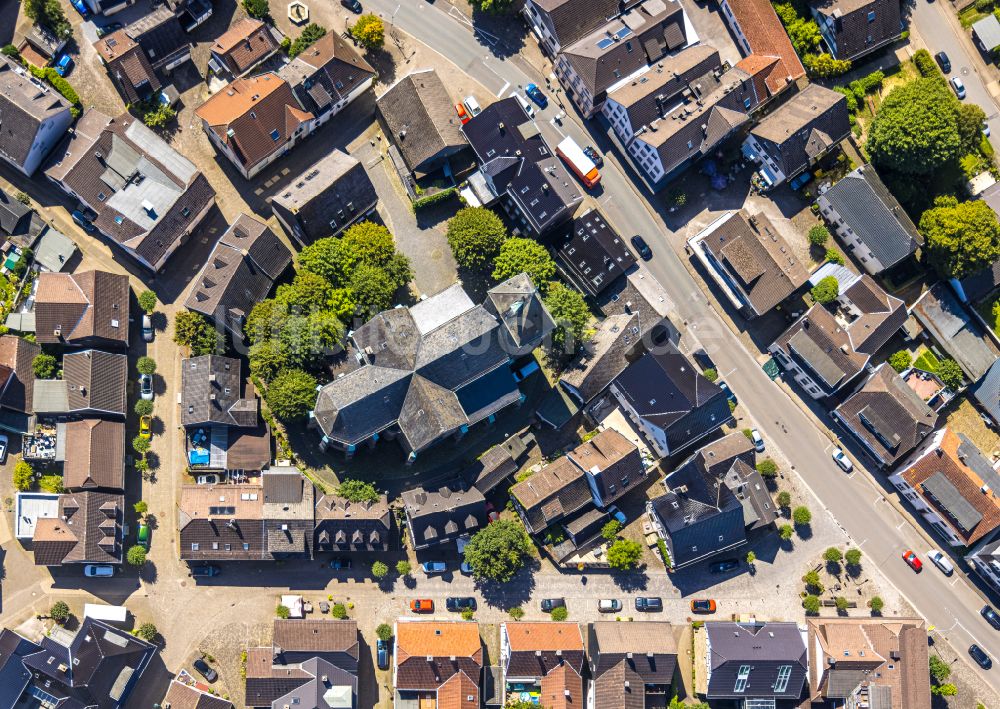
552	121
957	579
900	525
502	89
878	500
862	543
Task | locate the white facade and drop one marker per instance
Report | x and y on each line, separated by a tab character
542	29
654	434
304	130
769	168
802	378
50	132
847	236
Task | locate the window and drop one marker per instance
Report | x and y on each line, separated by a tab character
253	115
119	219
784	673
215	546
871	16
741	679
194	546
628	47
246	547
275	135
186	212
333	223
101	196
746	103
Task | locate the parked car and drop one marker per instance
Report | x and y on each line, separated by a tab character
536	95
980	656
382	653
591	152
204	670
4	443
550	604
944	62
146	386
730	394
64	65
463	115
147	328
491	513
703	605
98	570
617	514
434	567
941	561
720	567
609	605
642	248
649	604
800	180
352	5
525	104
210	479
472	105
205	571
991	616
142	538
460	603
81	7
958	86
340	563
466	568
914	562
108	29
83	222
146	427
422	605
986	129
757	439
841	459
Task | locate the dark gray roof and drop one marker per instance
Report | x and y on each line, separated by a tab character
859	26
571	19
874	215
980	284
19	222
14	676
95	382
955	331
326	73
211	387
160	35
948	497
435	516
517	304
987	391
592	254
762	649
26	104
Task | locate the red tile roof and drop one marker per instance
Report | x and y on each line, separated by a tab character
766	36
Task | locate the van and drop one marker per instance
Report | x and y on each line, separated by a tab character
525	104
472	106
941	561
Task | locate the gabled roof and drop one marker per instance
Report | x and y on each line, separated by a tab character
805	126
765	648
540	650
955	331
19	222
245	44
572	19
642	294
517	304
593	255
17	375
604	356
88	529
443	514
188	695
128	66
639	654
95	455
855	31
766	36
554	492
341	524
612	461
25	105
430	654
326	72
211	387
89	307
94	381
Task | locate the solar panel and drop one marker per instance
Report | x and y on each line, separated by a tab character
605	43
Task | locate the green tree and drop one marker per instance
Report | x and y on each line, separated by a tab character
379	570
136	555
23	476
59	612
338	611
44	365
141	508
767	468
960	238
785	532
475	235
147	301
826	291
915	131
468	614
950	373
143	407
559	614
310	34
624	554
801	516
519	255
403	567
833	555
282	612
939	669
819	235
498	551
147	631
372	289
516	613
876	604
357	491
257	8
823	66
900	361
495	7
751	558
571	315
157	115
383	631
784	498
944	690
369	32
711	374
51	483
834	256
140	445
812	582
970	126
194	331
852	557
146	365
611	529
291	395
842	604
329	258
811	604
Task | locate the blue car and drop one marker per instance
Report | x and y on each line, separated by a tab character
81	7
800	180
64	65
84	223
383	654
536	95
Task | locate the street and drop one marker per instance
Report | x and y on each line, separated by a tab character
855	501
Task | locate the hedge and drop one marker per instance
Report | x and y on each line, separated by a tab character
432	199
59	84
925	64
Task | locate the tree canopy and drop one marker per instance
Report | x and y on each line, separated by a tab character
194	331
519	255
826	291
960	237
950	373
147	301
357	491
369	32
494	6
258	9
624	554
136	555
44	365
475	235
291	395
571	314
498	551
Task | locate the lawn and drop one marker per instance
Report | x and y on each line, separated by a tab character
990	313
904	73
970	16
927	362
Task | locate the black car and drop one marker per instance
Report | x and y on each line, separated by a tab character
650	604
943	61
980	656
352	5
991	617
591	152
457	604
720	567
205	571
642	247
205	671
109	28
550	604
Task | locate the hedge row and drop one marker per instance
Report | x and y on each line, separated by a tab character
925	64
433	199
59	84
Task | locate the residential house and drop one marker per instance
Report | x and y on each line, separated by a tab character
498	463
83	309
886	416
239	273
985	393
854	28
750	261
954	488
94	383
612	463
632	665
419	118
759	33
986	33
184	692
437	663
36	117
955	332
869	661
97	665
342	525
432	370
604	357
246	44
978	285
255	521
443	515
254	121
54	252
558	23
592	255
670	401
327	76
619	50
95	455
328	197
312	664
797	134
17	375
518	169
985	559
19	223
148	198
191	13
546	659
755	664
868	220
642	295
711	501
88	529
830	345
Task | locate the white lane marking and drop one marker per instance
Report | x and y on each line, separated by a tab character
900	525
502	89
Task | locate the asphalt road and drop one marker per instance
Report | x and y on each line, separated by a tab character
855	501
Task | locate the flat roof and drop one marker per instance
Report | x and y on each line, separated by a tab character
31	507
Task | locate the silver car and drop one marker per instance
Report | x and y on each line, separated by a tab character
146	386
941	561
958	87
147	328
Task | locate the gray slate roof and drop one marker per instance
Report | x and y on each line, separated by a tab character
955	331
592	254
987	31
25	104
211	387
572	19
764	648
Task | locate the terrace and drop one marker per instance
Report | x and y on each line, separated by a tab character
207	447
46	442
31	507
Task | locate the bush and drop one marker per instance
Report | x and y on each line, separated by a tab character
59	612
876	604
9	50
141	508
661	546
432	199
559	614
44	365
784	498
624	554
939	669
925	64
467	613
516	613
146	365
51	483
811	604
143	407
258	9
826	291
403	567
23	476
379	570
833	555
767	468
140	445
63	87
834	256
785	532
136	555
357	491
282	612
286	44
383	631
900	361
338	611
291	395
310	34
711	374
156	114
984	5
853	557
824	66
950	373
812	582
819	235
751	558
194	331
147	631
852	100
802	516
611	529
944	690
842	604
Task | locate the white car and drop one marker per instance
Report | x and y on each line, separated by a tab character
958	87
526	104
841	459
147	328
98	570
146	386
609	605
986	129
758	440
941	561
210	479
472	106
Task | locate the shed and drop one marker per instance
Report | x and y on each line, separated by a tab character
986	32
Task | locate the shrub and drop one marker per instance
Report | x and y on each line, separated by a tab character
146	365
258	9
812	582
379	570
282	612
9	50
611	529
143	407
59	612
751	558
785	531
23	476
51	483
834	256
819	235
939	669
811	604
900	361
403	567
516	613
559	614
383	631
950	373
44	366
310	34
136	555
842	604
147	631
802	516
784	498
852	100
833	555
767	468
944	690
286	44
661	546
853	557
826	291
925	64
140	445
157	115
711	374
141	508
436	198
467	613
338	611
876	604
984	5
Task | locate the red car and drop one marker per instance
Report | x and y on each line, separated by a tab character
463	115
422	605
910	558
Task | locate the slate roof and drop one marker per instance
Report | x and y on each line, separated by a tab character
986	391
976	286
451	511
887	654
604	356
756	257
498	463
766	36
955	331
326	73
147	196
87	308
342	525
25	104
613	462
95	455
211	388
248	112
239	273
765	647
889	417
642	653
554	492
329	196
87	530
159	34
642	294
19	222
245	44
17	373
592	254
94	381
421	120
803	128
572	19
14	676
987	32
667	391
854	33
441	641
874	215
